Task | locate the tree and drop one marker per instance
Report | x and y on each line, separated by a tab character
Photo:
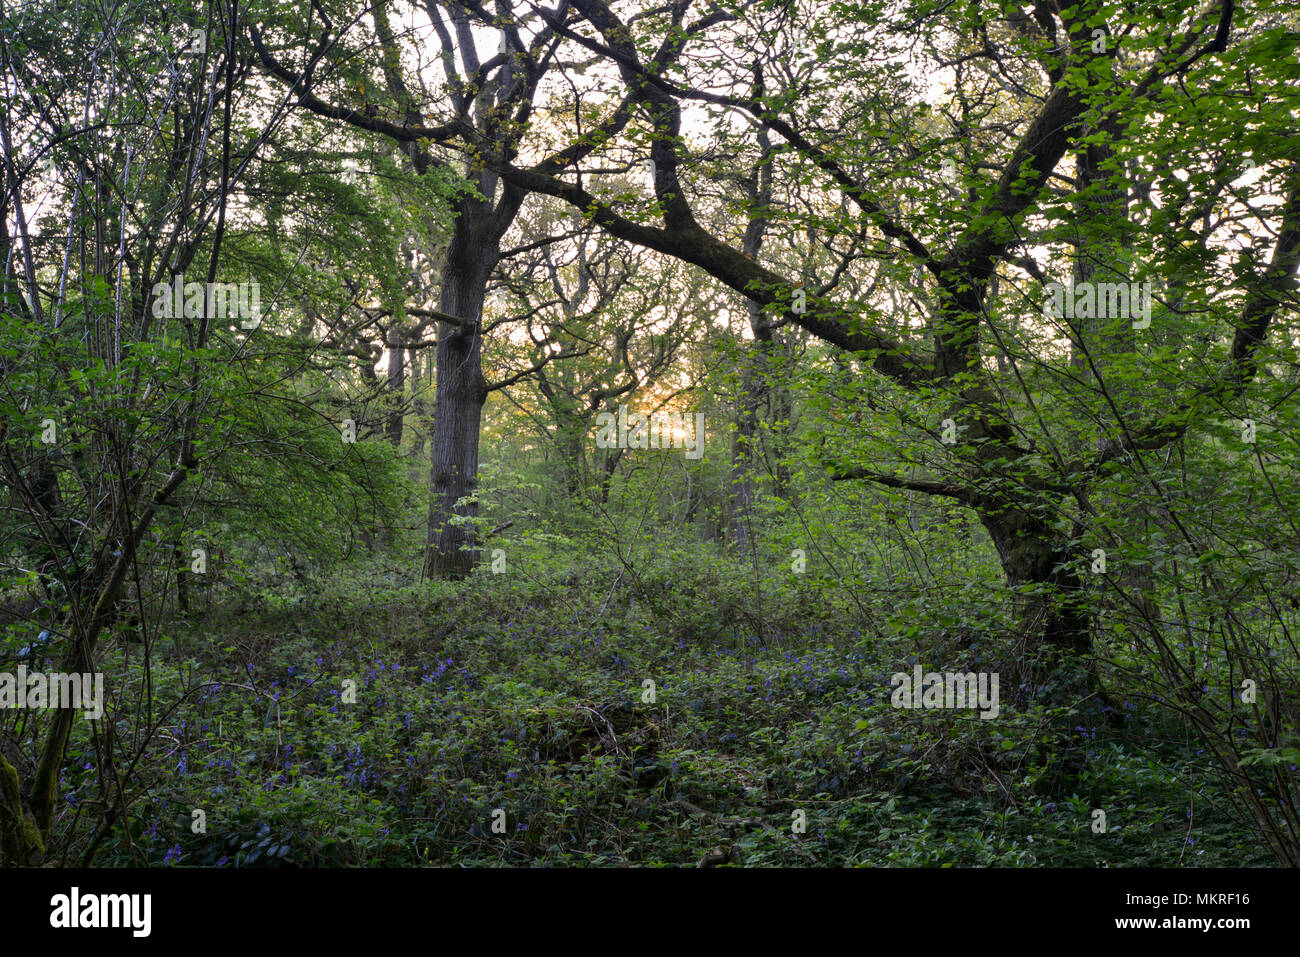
1014	476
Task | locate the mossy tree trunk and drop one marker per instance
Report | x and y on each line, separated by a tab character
20	839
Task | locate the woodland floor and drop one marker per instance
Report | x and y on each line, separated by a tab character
469	700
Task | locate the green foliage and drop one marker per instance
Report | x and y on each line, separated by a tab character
531	699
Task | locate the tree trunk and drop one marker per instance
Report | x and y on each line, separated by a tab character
395	387
608	467
182	581
419	406
570	439
450	550
755	381
20	839
753	392
1057	615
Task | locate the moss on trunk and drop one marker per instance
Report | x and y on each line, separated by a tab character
20	839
